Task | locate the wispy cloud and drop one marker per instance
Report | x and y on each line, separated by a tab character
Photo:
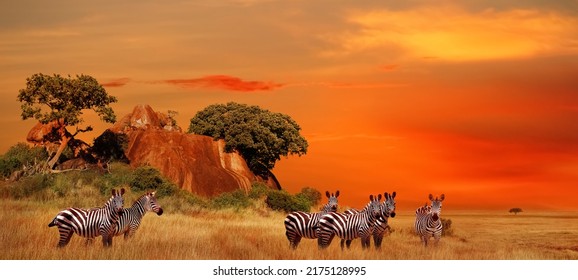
120	82
224	82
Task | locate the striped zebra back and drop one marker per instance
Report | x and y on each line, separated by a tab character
131	217
305	224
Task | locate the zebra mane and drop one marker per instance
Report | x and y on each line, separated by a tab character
141	198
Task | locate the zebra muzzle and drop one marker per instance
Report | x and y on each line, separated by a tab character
160	212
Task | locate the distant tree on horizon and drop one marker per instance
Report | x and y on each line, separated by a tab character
516	210
261	137
62	100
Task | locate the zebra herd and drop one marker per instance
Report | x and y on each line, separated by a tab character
372	220
107	221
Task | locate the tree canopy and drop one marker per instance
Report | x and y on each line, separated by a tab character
261	137
49	98
516	210
62	99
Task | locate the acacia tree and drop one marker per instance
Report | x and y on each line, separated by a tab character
61	100
261	137
516	210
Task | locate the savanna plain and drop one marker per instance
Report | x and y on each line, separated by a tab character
259	234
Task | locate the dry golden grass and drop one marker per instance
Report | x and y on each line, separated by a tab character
260	235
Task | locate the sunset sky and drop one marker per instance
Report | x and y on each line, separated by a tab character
474	99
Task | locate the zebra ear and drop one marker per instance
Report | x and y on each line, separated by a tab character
442	197
430	196
371	197
337	193
113	192
121	191
393	195
327	194
153	193
385	195
379	197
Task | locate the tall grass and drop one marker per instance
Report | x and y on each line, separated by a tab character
260	235
244	226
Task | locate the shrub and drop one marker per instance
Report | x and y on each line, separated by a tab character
110	146
146	178
309	195
258	190
447	227
236	199
21	155
29	186
283	201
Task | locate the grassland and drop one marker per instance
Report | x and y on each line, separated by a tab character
260	235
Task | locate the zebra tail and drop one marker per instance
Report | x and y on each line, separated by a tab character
53	223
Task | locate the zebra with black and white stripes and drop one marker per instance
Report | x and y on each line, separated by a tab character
301	224
90	223
381	224
349	226
427	220
130	219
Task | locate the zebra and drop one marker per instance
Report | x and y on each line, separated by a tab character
381	224
301	224
90	223
130	219
349	227
427	220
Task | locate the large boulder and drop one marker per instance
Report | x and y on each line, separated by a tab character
195	163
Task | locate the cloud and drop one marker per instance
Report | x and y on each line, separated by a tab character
120	82
389	67
452	33
225	83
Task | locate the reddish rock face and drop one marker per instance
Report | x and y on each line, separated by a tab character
195	163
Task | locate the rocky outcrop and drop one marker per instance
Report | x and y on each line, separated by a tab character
195	163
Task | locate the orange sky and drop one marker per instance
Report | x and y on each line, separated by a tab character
475	100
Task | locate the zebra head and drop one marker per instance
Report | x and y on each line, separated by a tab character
152	204
389	205
117	201
331	205
436	206
374	207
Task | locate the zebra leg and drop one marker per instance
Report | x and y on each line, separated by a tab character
437	238
295	242
325	239
366	242
106	240
377	238
65	236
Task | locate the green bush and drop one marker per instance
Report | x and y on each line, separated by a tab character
29	186
283	201
146	178
309	195
110	146
258	190
236	199
21	155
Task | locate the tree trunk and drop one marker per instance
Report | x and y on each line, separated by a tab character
63	144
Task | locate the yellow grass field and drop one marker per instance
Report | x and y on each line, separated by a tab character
260	235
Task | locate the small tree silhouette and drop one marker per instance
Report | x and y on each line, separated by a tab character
516	210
